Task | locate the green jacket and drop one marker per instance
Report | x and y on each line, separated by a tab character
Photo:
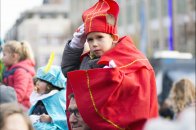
2	67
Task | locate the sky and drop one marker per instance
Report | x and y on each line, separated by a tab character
11	10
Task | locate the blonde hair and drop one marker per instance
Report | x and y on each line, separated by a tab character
22	48
182	95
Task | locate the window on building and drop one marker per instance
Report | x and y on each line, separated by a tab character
43	41
153	9
120	19
164	4
129	10
119	1
48	15
181	6
193	3
139	7
55	41
155	39
65	15
30	15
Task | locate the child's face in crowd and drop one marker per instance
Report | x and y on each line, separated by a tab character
99	43
15	122
75	119
9	58
40	87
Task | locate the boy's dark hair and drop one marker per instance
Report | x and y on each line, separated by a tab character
50	87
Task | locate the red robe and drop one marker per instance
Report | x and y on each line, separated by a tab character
120	98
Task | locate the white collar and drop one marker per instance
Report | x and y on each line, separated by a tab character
35	97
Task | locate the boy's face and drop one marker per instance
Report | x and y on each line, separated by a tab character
99	43
40	87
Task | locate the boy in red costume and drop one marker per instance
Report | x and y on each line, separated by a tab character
115	87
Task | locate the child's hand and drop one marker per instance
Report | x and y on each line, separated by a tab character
34	118
79	38
112	64
45	118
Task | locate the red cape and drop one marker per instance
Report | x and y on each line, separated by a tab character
116	98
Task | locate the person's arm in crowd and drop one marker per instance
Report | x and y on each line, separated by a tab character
72	51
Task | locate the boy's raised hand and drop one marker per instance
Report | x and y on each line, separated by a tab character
79	38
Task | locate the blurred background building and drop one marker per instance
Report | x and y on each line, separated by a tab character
47	28
154	25
159	24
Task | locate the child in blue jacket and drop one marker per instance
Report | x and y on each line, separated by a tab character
48	100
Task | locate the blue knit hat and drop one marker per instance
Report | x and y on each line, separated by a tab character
53	76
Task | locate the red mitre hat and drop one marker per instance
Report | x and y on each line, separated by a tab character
102	17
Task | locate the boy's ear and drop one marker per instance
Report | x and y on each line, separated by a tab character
115	37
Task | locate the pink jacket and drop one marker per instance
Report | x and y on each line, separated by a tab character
21	80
